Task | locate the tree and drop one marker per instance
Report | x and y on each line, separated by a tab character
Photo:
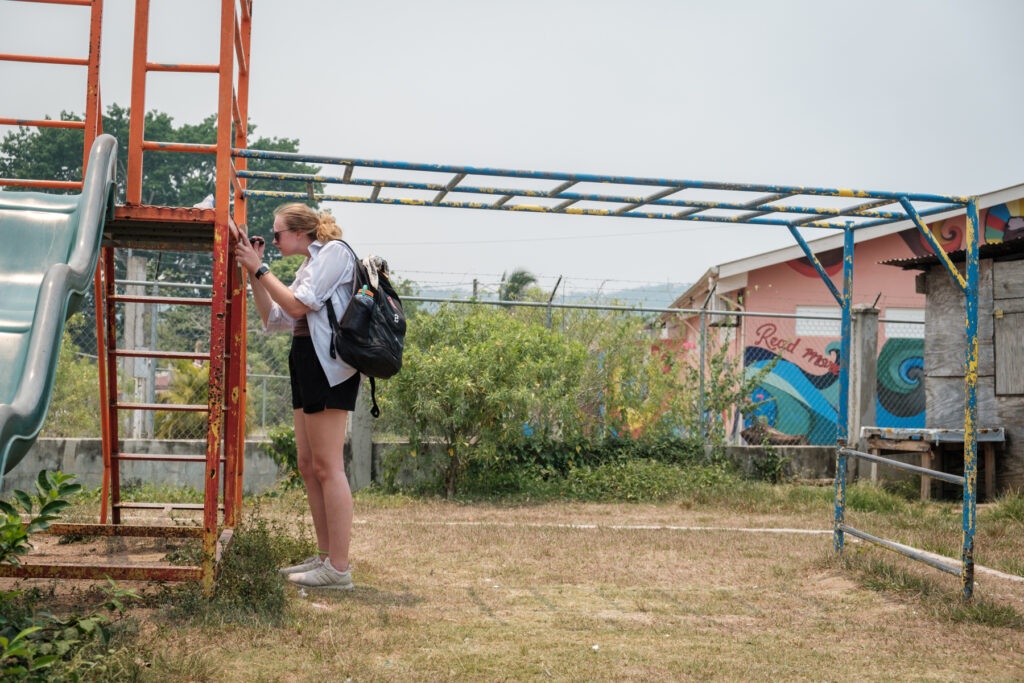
75	404
169	179
513	287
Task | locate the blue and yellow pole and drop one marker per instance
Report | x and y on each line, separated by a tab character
843	435
970	403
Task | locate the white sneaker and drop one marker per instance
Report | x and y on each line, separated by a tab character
304	566
324	576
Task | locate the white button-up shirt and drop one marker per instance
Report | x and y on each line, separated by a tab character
327	272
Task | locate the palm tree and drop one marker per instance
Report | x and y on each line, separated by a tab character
513	287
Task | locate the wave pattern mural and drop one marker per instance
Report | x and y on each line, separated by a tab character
900	401
796	401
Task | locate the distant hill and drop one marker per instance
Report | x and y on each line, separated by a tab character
649	296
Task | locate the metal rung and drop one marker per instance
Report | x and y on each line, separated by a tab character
177	300
170	355
45	123
184	68
162	572
163	457
951	478
126	530
912	553
163	506
193	407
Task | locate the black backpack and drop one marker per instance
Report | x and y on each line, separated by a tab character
371	332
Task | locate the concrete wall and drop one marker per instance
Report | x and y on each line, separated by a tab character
803	462
84	458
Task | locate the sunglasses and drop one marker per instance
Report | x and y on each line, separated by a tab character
277	235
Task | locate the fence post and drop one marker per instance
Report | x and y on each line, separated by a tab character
703	348
263	413
360	441
703	356
863	375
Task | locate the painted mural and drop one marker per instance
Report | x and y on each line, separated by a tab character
800	395
1000	223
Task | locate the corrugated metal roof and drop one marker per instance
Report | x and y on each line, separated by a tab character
1013	248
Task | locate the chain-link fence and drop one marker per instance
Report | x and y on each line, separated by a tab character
798	393
75	406
794	358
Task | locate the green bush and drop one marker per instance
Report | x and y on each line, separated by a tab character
75	404
474	379
285	453
495	390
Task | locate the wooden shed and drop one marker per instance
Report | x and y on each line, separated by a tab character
1000	351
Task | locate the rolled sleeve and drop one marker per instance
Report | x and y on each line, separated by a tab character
333	265
278	320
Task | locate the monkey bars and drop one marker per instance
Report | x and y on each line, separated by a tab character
371	181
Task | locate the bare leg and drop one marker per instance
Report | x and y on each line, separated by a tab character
325	432
313	492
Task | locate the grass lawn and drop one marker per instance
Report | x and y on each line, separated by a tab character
602	591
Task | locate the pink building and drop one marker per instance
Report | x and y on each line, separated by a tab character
800	394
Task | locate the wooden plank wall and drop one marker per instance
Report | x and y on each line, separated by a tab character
1000	287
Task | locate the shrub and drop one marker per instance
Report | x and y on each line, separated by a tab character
475	379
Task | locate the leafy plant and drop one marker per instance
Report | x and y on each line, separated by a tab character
772	466
52	488
36	645
285	453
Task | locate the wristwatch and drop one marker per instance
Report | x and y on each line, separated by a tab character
261	271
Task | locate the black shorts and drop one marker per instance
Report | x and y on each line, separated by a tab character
310	388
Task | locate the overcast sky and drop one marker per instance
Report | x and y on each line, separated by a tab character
923	96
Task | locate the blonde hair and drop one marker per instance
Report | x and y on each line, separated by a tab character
301	219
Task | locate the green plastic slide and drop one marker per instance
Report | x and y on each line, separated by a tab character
49	245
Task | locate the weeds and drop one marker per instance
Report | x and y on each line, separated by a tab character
880	575
863	497
1008	507
248	586
37	645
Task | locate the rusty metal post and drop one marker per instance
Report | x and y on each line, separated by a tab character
842	438
970	403
93	113
137	119
109	348
218	314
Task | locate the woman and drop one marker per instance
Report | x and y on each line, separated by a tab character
324	389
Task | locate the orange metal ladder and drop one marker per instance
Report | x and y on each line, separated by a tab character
135	225
140	226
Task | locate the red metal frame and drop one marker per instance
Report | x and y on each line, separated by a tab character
136	225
